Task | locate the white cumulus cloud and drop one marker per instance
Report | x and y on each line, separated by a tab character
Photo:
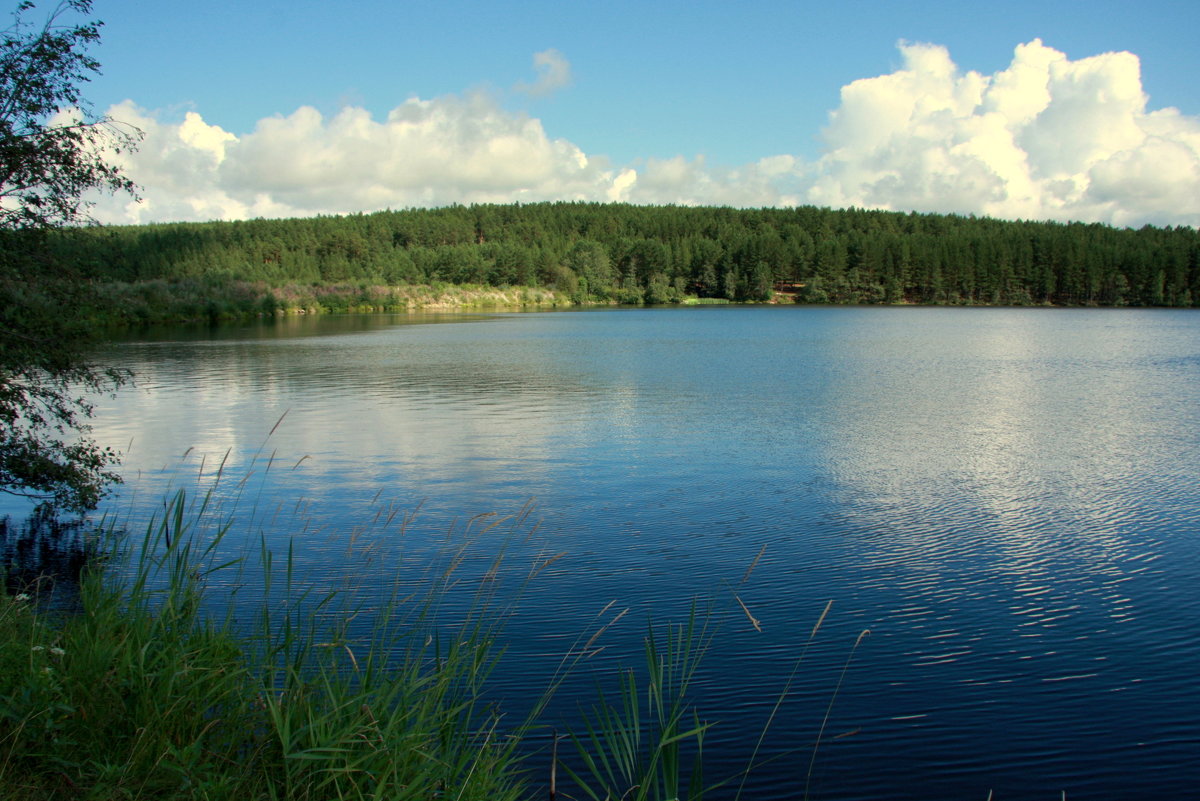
1046	138
426	152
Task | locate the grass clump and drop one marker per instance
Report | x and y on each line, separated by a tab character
648	744
141	694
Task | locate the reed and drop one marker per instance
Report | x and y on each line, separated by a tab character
647	742
648	745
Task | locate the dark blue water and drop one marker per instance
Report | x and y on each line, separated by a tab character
1006	499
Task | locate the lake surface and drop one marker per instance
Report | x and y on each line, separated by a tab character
1007	499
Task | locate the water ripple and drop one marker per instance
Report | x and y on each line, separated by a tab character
1007	499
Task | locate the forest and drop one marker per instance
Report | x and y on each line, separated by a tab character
619	253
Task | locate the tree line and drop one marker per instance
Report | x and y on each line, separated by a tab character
660	254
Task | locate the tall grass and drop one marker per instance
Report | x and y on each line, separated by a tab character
143	695
651	747
647	743
152	688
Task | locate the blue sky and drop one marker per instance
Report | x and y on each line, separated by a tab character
690	97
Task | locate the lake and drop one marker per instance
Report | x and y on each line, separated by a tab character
1007	499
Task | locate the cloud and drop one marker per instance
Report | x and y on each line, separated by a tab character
553	73
694	182
175	166
1044	138
426	152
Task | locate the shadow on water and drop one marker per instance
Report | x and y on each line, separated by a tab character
44	557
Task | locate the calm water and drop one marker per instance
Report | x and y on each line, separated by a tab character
1007	499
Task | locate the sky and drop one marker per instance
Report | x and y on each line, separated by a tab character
1021	110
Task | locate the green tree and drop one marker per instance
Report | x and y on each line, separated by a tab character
52	154
589	260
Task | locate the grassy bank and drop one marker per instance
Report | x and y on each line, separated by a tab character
139	693
192	300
